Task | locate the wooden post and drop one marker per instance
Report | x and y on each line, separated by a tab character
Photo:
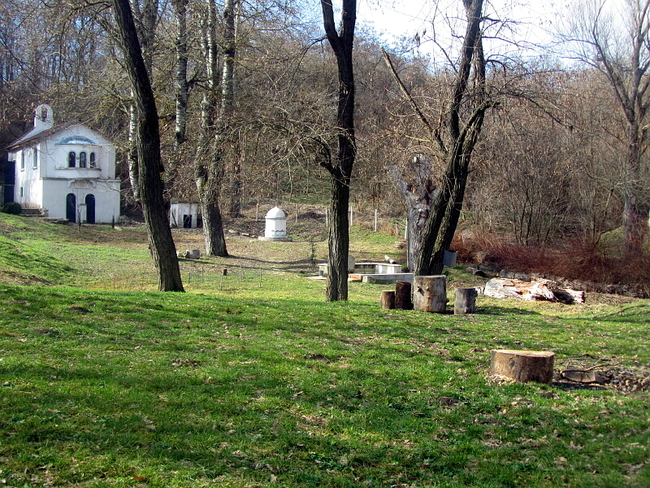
403	295
523	366
430	293
388	299
465	300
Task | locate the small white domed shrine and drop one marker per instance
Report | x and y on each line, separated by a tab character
276	226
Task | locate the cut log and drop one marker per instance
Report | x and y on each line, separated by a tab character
388	299
465	300
430	293
523	366
403	299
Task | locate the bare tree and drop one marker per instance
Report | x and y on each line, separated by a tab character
625	63
341	168
454	137
150	165
209	171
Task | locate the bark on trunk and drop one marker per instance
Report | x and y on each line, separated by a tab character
403	295
523	366
442	221
430	293
339	242
208	190
415	184
208	164
150	165
388	299
341	171
465	301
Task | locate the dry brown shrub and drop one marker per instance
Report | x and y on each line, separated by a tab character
573	260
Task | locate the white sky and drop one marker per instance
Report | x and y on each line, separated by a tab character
393	19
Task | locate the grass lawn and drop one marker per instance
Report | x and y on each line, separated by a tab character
252	380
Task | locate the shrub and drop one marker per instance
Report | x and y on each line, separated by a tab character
12	208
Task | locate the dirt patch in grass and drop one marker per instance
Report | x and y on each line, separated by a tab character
588	372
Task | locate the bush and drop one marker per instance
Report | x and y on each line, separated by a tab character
12	208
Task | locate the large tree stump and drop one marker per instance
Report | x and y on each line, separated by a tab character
465	300
403	299
430	293
523	366
388	299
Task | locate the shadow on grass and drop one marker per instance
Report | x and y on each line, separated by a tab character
502	311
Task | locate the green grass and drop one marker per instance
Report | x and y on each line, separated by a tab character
252	380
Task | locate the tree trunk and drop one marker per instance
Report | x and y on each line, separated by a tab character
430	293
418	191
465	301
150	164
341	171
339	243
636	202
208	190
227	101
635	225
523	366
438	231
209	170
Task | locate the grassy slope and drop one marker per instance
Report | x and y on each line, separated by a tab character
252	380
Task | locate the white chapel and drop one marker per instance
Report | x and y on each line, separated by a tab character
67	171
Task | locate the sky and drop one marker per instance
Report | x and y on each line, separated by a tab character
392	19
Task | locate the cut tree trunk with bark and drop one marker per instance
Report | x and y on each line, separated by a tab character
403	295
430	293
465	301
523	366
415	184
388	299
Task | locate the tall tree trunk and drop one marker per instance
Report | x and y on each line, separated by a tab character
228	98
208	163
147	19
441	224
208	185
182	85
182	98
341	170
161	242
636	201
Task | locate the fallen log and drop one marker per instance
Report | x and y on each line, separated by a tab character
532	290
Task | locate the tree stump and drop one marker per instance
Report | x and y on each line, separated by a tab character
465	300
523	366
430	293
388	299
403	299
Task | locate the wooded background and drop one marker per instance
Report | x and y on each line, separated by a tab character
562	155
